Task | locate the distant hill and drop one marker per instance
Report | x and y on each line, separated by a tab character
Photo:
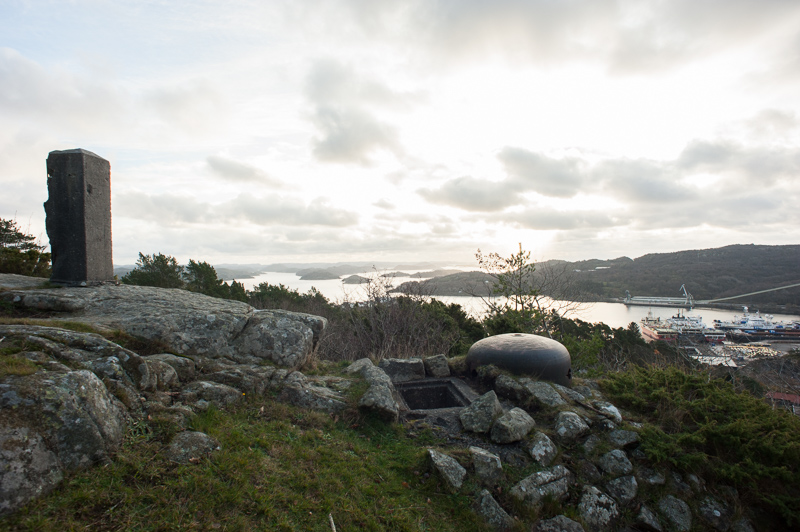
706	273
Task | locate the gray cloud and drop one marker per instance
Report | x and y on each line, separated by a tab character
194	107
473	194
231	170
547	219
343	105
57	100
629	36
266	210
756	165
384	204
560	178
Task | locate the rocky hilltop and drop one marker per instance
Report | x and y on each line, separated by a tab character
75	394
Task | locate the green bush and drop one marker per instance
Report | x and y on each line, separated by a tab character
703	425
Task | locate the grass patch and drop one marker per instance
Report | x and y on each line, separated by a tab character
280	468
15	365
702	425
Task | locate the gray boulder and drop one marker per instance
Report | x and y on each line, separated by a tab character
609	410
597	509
381	396
449	469
543	392
53	422
184	367
622	438
487	507
542	449
559	523
187	322
436	366
676	512
190	447
510	388
615	463
300	392
29	469
481	414
569	426
623	489
647	520
358	366
716	513
512	426
403	369
201	394
487	466
532	489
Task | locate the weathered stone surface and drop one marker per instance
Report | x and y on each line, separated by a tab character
481	414
588	472
487	466
609	410
250	379
510	388
162	376
28	469
190	447
615	463
183	366
542	449
188	323
591	443
598	510
491	512
526	354
647	520
716	513
559	523
568	393
381	396
49	422
200	394
286	338
543	392
14	281
534	488
436	366
622	438
512	426
676	512
649	477
403	369
450	470
623	489
303	394
569	426
358	366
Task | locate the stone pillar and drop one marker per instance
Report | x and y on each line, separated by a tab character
78	217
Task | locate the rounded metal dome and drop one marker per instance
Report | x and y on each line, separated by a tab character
527	354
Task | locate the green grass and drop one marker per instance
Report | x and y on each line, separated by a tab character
280	468
701	425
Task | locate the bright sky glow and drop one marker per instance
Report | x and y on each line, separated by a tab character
410	129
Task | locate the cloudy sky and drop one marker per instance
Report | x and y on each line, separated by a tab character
335	130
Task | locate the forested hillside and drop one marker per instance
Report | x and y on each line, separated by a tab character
707	274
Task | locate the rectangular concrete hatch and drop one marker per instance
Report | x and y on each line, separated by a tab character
431	394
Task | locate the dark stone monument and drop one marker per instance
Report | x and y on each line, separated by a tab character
78	217
526	354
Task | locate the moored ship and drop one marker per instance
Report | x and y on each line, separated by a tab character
749	327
